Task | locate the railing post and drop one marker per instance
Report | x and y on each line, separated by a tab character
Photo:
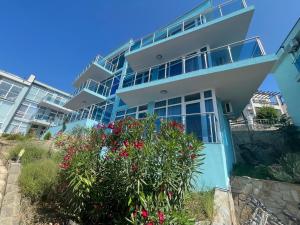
220	10
182	26
261	47
211	129
134	79
183	65
244	3
166	67
167	31
153	37
230	53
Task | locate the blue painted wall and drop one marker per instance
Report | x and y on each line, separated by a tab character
287	75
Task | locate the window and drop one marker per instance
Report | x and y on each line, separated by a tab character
27	110
175	68
9	90
5	107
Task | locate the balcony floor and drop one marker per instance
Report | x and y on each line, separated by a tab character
94	72
54	106
227	29
234	82
84	99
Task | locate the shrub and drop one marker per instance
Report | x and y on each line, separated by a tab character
128	172
32	152
47	136
288	169
15	137
259	171
200	205
38	178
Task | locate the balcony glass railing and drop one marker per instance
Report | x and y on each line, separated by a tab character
56	100
101	61
205	126
196	21
94	86
227	54
52	121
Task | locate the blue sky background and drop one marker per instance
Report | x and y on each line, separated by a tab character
56	39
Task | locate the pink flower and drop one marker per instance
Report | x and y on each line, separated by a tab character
161	217
150	223
126	143
144	213
139	144
193	156
124	154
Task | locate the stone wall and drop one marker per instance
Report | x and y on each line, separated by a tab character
280	198
258	147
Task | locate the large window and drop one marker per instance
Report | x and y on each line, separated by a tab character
139	112
17	127
9	90
5	108
27	110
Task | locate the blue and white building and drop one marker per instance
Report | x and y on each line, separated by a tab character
287	72
29	105
200	70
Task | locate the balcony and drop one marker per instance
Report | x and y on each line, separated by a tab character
100	69
90	92
230	21
55	103
45	120
235	71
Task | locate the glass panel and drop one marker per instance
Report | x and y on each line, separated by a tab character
159	35
192	97
211	15
231	7
190	24
147	40
131	110
158	72
193	108
121	61
175	30
160	104
175	68
219	57
194	125
209	107
174	110
143	107
136	45
192	63
245	50
207	94
174	101
120	113
128	80
160	112
142	77
142	115
115	85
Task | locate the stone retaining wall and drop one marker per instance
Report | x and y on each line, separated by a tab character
10	210
280	198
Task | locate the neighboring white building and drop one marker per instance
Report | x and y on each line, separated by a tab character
262	99
29	104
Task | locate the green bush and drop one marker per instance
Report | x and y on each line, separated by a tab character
37	179
268	113
129	173
47	136
258	172
288	169
200	205
16	137
32	153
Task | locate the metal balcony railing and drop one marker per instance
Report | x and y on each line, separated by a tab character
238	51
56	100
53	121
101	61
196	21
94	87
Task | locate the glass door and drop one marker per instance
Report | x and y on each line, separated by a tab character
193	123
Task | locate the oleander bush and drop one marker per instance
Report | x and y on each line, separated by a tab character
128	173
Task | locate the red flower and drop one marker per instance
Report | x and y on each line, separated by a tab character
144	213
161	217
117	130
170	194
124	154
103	137
111	126
139	144
150	223
193	156
126	143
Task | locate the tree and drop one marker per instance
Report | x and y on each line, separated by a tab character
267	113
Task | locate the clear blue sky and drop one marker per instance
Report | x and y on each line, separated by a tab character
56	39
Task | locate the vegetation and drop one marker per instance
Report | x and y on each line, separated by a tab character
47	136
267	113
258	172
15	137
200	205
38	178
129	173
287	169
32	152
